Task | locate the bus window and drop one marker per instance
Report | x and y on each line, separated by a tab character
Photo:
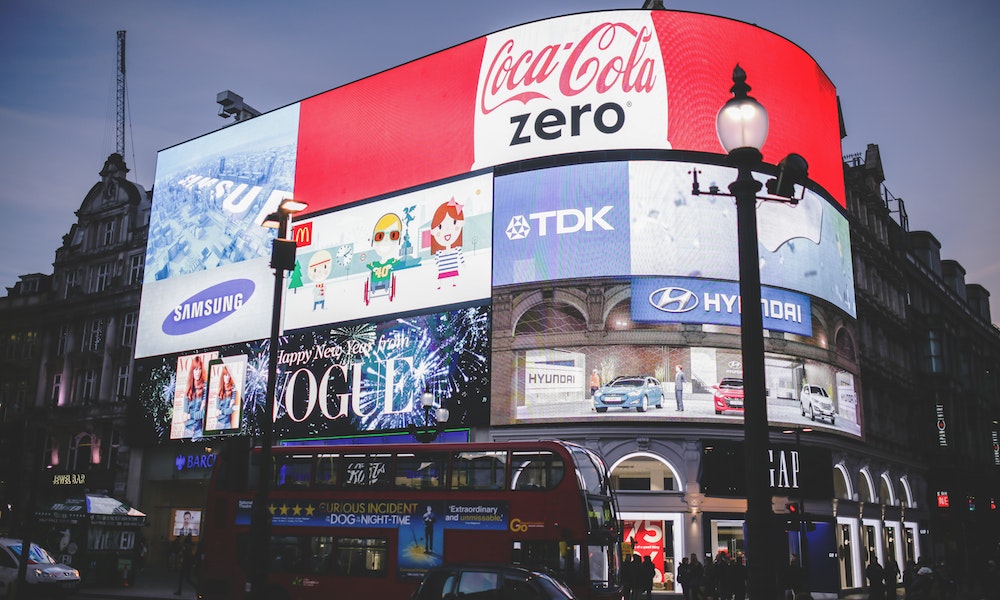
420	471
362	557
478	470
292	471
365	470
535	470
326	471
589	469
288	553
321	554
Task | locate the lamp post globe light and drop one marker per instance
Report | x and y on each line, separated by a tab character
441	415
282	260
742	126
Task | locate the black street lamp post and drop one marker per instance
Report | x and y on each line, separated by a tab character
282	260
742	125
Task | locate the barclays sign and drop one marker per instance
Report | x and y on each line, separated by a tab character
689	300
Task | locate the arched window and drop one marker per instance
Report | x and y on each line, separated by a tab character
842	483
866	488
644	472
886	493
845	344
80	448
551	317
904	484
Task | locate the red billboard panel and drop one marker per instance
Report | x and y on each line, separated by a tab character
615	80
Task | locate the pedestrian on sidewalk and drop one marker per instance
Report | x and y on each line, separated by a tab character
185	560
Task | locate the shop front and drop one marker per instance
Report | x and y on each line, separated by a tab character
94	533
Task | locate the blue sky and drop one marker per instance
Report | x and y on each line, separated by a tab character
914	78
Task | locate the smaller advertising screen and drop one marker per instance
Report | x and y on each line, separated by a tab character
794	470
187	522
226	377
190	395
364	377
640	219
427	248
665	383
369	377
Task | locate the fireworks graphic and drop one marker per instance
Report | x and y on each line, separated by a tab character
388	365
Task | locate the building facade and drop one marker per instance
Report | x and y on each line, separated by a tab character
68	341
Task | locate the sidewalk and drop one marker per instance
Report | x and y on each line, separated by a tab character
156	583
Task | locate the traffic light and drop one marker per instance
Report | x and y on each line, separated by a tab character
793	518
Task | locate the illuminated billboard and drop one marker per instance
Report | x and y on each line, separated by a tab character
632	382
426	248
332	381
409	234
614	80
639	218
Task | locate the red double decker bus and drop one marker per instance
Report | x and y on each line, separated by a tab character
371	520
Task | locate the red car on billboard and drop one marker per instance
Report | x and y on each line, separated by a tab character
728	395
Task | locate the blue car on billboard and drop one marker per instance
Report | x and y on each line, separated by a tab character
638	392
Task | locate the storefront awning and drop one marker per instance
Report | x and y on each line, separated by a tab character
92	508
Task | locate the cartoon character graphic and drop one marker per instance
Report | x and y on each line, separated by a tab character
194	404
229	400
386	242
446	241
320	265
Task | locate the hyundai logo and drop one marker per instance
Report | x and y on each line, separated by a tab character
673	300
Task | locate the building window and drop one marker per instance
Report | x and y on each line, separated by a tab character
57	389
71	283
114	447
62	341
934	352
88	385
103	280
30	346
121	389
108	232
93	336
10	346
135	268
128	329
80	453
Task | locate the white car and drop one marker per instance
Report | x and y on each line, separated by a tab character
815	401
44	575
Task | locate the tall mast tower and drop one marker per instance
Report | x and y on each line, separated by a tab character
120	96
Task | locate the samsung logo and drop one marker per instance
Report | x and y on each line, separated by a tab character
208	307
673	300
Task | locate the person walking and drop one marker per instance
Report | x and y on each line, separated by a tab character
679	380
185	561
876	580
891	578
648	574
629	576
684	577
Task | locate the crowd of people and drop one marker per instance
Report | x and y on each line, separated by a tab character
637	577
724	578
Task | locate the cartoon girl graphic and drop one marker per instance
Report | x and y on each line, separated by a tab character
229	400
194	404
446	240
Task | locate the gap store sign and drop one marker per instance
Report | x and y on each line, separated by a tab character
690	300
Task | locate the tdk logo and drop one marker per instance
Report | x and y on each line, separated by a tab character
673	300
567	220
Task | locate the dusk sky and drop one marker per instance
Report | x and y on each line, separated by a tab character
914	77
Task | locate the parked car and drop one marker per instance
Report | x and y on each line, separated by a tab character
44	576
814	400
728	395
638	392
497	582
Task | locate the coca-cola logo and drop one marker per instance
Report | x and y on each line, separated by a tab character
609	56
